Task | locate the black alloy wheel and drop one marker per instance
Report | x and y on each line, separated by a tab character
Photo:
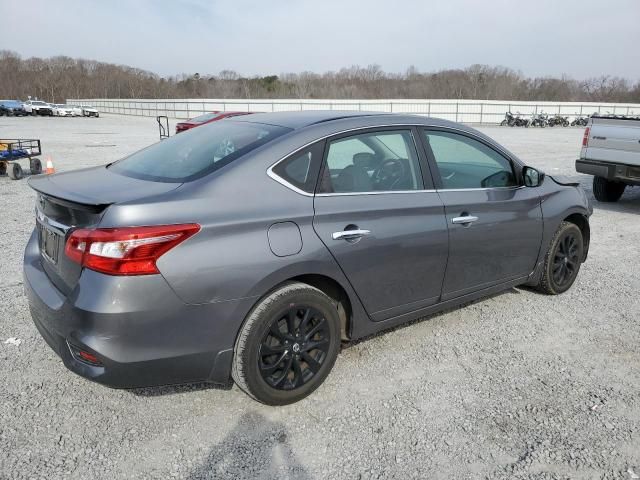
563	260
287	345
566	260
294	348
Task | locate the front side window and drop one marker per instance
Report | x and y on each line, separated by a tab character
196	152
371	162
467	163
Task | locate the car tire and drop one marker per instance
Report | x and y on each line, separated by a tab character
273	361
607	191
15	171
563	260
3	168
35	166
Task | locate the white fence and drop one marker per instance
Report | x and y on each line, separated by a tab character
467	111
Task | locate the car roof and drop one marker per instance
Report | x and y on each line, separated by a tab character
305	118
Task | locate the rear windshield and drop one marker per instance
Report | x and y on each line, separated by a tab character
196	152
205	117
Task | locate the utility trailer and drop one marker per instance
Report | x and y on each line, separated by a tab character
12	150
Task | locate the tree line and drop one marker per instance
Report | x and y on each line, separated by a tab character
58	78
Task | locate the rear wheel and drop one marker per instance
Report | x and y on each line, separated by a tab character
36	166
3	168
287	345
563	259
15	171
607	191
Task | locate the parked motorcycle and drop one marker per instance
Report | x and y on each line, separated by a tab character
509	119
539	120
580	121
559	120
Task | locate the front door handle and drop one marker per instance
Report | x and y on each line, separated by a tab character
464	220
349	234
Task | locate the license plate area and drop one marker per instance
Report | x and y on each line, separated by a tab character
49	243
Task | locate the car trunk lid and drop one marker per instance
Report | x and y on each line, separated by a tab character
79	199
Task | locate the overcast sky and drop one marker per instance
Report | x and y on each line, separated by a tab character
580	38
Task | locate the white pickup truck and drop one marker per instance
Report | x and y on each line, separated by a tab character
611	153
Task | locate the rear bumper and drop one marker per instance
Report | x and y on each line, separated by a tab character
141	332
628	174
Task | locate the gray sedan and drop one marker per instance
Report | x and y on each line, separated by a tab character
247	249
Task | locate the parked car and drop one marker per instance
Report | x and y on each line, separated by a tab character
317	227
61	110
206	118
12	108
27	108
39	107
611	153
76	110
88	111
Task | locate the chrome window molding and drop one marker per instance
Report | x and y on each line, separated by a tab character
375	192
288	185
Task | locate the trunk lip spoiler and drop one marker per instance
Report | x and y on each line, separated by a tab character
81	204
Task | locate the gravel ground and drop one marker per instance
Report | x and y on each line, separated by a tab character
519	385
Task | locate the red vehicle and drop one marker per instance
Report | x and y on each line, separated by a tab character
206	118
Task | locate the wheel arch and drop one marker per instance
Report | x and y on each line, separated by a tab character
336	292
326	284
582	222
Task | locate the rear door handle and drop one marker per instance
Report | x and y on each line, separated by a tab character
349	234
464	220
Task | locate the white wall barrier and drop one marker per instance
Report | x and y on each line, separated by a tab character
467	111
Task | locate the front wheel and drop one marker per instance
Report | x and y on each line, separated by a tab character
563	259
607	191
287	345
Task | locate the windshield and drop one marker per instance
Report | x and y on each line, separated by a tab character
10	103
38	103
196	152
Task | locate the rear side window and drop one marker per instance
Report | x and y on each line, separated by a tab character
379	161
301	168
196	152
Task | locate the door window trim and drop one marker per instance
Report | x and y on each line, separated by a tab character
426	181
426	176
433	165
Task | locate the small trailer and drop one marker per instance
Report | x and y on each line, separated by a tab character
12	150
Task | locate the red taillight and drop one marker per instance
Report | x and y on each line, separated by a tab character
585	138
127	250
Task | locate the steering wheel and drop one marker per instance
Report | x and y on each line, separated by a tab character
389	173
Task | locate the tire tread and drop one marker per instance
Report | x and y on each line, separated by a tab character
238	372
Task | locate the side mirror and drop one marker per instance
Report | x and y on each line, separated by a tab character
532	177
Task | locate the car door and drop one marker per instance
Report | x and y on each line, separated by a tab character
382	223
495	223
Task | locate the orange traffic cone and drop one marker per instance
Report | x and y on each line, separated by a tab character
50	168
